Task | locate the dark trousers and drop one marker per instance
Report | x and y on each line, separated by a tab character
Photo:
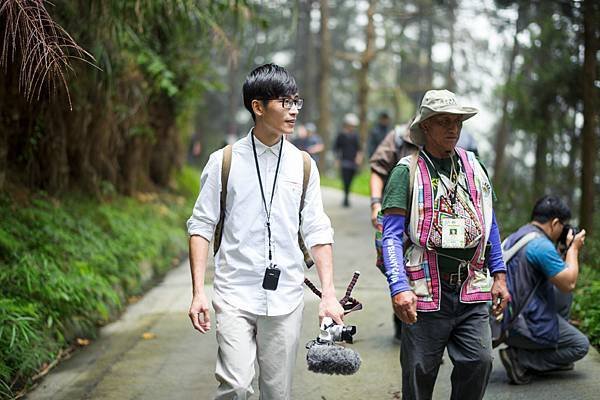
464	329
347	176
572	345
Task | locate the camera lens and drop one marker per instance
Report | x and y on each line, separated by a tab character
347	333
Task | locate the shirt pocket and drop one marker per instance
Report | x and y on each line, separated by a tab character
417	280
415	271
291	191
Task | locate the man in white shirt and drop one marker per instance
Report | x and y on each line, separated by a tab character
258	293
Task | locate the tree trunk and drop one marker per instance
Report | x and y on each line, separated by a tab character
541	167
428	84
363	74
312	70
573	156
3	155
303	55
589	143
3	132
450	81
232	78
324	124
502	135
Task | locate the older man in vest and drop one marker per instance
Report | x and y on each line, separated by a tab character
443	277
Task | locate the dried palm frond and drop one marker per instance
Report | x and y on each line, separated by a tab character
41	46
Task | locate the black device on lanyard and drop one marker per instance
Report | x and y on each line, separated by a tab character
271	278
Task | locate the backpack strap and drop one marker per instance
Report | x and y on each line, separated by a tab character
412	168
510	253
506	326
306	168
225	168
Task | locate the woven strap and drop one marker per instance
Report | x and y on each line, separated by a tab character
349	303
226	166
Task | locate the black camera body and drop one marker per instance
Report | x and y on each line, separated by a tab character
562	240
332	332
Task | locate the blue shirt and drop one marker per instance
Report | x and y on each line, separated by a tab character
542	254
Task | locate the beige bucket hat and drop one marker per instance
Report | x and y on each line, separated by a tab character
437	102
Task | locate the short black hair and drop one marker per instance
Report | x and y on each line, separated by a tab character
269	81
384	115
549	207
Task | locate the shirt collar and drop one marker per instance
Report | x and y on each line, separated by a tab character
261	148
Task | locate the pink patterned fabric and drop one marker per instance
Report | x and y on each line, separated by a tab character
427	238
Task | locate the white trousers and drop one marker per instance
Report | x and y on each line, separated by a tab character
243	338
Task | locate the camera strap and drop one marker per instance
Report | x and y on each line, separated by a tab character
262	192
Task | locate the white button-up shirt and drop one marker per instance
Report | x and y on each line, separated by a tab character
242	258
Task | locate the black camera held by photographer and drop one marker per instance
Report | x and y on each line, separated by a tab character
562	240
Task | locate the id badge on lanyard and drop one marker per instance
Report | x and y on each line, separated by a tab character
453	233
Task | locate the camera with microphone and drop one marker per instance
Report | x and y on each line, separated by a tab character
326	354
332	332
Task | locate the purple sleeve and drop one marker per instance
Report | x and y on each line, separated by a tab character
393	258
496	263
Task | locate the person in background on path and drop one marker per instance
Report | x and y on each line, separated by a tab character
307	140
195	149
349	153
259	267
315	143
467	142
442	278
543	340
378	133
395	146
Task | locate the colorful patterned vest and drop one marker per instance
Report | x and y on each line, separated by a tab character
427	209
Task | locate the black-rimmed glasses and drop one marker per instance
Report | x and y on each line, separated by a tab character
288	103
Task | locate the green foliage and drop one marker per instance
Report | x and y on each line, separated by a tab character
152	63
586	307
188	182
360	184
67	266
24	340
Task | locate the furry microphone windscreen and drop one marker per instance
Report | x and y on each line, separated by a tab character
332	359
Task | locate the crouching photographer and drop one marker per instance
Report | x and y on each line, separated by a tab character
540	338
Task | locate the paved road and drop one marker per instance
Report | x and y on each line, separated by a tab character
178	363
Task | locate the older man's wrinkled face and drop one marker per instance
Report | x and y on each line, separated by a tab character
442	132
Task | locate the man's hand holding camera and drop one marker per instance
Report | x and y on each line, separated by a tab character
405	306
331	307
575	242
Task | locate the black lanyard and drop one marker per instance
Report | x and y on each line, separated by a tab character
262	192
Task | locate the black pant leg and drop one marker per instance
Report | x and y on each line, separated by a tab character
470	350
421	351
347	176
